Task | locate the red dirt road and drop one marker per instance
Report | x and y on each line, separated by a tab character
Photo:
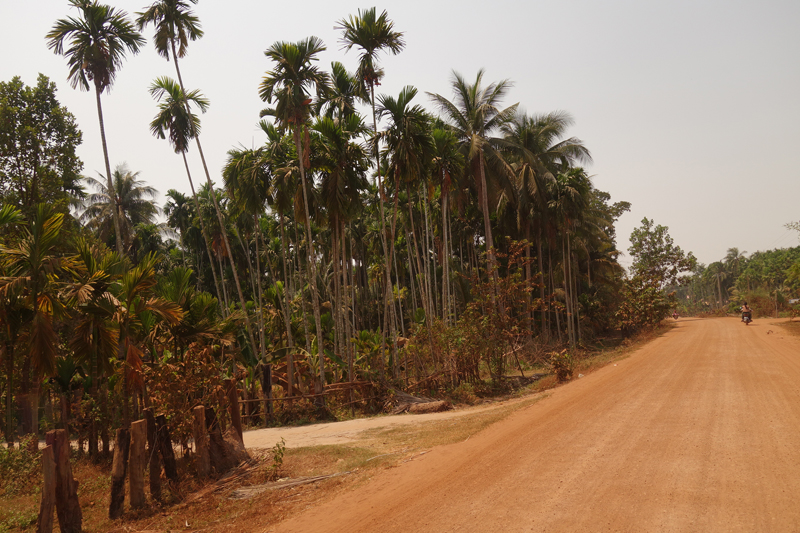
697	431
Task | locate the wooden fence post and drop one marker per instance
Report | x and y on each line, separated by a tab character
233	406
165	445
137	463
202	459
119	468
153	456
68	508
44	524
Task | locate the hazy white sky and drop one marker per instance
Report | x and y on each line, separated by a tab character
691	108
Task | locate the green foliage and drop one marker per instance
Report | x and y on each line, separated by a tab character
562	365
643	305
18	520
38	142
20	468
464	393
277	452
655	257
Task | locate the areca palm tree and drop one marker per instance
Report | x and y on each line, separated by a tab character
537	153
372	34
97	43
175	25
474	115
343	164
176	122
289	85
408	148
447	166
129	199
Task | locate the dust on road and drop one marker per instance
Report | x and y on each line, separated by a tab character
697	431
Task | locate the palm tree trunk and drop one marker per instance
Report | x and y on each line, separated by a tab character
110	182
387	266
9	357
203	230
488	230
445	264
286	315
219	214
320	385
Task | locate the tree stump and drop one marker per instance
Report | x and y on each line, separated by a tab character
202	459
165	446
119	468
153	457
44	524
68	508
233	405
137	461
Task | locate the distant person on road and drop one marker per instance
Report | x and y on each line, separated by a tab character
746	312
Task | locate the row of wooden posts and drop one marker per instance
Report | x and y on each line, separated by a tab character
146	442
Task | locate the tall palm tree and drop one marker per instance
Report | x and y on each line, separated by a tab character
447	166
343	165
97	44
175	25
289	85
473	116
176	121
372	34
537	153
408	147
129	199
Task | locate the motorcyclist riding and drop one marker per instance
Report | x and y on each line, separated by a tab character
747	313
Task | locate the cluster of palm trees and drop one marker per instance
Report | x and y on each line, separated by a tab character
70	306
769	280
339	237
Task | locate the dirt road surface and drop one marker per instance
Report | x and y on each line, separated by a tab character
697	431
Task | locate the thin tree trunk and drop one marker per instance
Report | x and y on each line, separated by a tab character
320	385
203	229
110	182
286	316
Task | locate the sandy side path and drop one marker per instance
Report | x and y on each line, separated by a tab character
697	431
350	431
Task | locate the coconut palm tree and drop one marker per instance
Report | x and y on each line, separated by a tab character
289	85
129	199
372	34
176	121
96	44
473	116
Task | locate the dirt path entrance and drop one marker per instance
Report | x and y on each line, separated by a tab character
350	431
697	431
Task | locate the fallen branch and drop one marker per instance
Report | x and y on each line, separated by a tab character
244	493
